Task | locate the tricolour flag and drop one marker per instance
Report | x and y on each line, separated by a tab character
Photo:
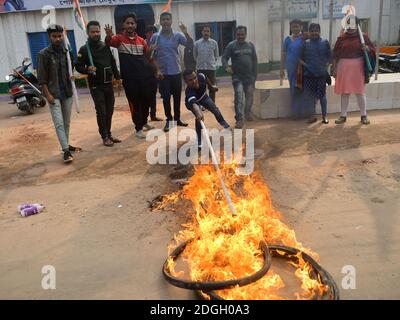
167	7
78	15
67	45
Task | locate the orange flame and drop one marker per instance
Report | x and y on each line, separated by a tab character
227	247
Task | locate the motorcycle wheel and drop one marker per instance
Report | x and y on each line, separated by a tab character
30	109
42	103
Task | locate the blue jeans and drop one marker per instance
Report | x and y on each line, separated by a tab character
207	103
243	90
61	115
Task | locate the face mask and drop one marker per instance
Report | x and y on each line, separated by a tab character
350	23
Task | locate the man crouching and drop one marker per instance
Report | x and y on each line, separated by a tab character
197	98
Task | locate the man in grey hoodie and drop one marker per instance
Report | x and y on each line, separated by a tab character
244	73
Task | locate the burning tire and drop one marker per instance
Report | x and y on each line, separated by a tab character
207	288
219	285
318	273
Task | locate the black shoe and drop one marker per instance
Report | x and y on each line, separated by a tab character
74	149
115	140
68	157
179	123
156	119
325	120
166	128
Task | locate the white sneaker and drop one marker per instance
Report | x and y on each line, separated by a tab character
147	127
140	135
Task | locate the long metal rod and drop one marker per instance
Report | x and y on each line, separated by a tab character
215	162
283	16
378	49
330	22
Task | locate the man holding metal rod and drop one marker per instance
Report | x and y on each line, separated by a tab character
197	99
97	61
54	77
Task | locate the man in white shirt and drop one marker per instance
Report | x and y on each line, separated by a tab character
206	54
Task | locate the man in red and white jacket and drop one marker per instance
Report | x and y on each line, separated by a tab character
134	58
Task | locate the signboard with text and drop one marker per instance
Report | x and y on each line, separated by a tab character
295	9
337	8
26	5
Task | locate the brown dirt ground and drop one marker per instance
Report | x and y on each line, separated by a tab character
338	187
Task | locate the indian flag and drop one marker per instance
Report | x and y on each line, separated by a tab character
67	45
167	7
78	15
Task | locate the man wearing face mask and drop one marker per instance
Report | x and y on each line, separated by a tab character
100	76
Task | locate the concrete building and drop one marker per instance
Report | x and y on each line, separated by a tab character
22	33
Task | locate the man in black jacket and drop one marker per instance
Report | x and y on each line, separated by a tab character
55	80
100	76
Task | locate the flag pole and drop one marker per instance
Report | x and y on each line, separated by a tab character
283	14
70	71
378	49
166	8
331	22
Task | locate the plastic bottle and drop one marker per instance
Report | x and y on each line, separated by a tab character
30	211
28	205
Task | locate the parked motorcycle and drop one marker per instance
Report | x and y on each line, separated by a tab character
389	63
25	89
389	60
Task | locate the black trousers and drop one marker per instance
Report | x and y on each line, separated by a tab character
139	97
153	86
104	100
210	74
171	85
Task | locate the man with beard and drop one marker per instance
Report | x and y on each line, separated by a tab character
100	76
134	57
55	80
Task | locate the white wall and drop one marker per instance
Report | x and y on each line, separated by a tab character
366	9
265	35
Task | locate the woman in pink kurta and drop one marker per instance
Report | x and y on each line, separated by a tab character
350	75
